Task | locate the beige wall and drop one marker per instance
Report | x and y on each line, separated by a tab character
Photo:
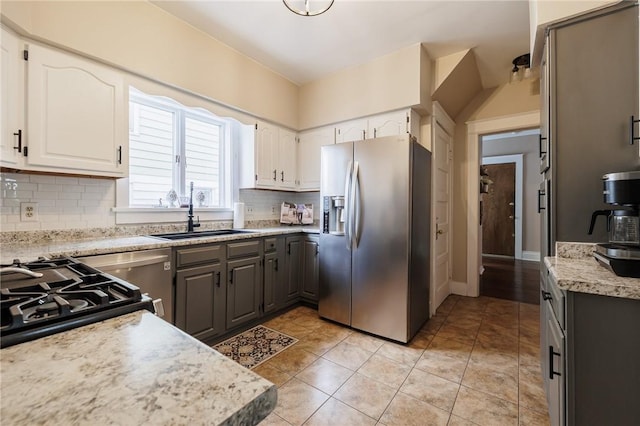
502	101
142	38
387	83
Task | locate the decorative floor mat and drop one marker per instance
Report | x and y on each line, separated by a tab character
254	346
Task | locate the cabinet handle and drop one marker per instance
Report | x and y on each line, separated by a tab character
552	353
632	136
218	279
546	295
540	139
289	248
275	265
364	134
375	132
19	135
233	271
282	176
120	154
540	194
274	174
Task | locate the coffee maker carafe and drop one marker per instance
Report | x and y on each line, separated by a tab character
622	253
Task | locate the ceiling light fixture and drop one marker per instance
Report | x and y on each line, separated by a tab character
308	7
521	61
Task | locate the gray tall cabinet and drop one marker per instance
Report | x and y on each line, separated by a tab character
589	92
589	344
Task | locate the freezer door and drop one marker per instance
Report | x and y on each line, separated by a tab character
334	298
381	258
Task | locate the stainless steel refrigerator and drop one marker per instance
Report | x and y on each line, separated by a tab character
374	235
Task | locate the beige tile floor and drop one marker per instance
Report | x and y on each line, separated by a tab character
474	363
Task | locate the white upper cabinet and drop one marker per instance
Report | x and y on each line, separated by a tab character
311	142
270	160
376	126
12	100
266	155
287	159
76	115
388	124
352	130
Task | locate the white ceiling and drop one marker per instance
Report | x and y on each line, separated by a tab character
352	32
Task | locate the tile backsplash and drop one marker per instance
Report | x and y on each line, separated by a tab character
80	203
61	202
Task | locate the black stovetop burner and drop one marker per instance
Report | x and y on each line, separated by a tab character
68	294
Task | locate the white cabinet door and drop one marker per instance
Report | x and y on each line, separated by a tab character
76	115
266	152
287	159
309	148
12	100
275	157
388	124
353	130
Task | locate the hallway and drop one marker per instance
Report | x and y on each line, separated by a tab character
510	279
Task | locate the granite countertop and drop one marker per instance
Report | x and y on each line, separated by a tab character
132	369
31	250
575	269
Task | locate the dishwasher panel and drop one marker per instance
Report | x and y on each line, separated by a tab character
151	270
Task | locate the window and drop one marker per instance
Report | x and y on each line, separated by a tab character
170	146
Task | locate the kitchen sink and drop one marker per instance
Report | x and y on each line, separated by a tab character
199	234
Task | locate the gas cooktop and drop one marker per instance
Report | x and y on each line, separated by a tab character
49	296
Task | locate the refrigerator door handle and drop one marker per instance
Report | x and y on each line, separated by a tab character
347	206
355	195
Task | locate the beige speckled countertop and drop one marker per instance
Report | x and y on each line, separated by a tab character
132	369
575	269
29	251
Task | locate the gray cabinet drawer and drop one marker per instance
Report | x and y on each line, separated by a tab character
557	302
244	248
196	255
270	244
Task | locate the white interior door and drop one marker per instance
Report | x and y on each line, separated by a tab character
441	214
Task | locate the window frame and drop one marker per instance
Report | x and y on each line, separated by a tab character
126	214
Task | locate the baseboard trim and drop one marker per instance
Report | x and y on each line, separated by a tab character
458	288
531	255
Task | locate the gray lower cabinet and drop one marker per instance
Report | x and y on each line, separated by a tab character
244	282
590	347
244	290
310	275
273	269
200	300
293	260
219	287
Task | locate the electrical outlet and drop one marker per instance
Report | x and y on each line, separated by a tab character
273	209
29	212
249	208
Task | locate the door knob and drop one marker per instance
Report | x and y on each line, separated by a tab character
511	217
512	204
439	232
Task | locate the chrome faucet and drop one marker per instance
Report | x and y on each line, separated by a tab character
190	224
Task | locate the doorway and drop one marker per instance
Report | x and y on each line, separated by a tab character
501	203
475	132
509	219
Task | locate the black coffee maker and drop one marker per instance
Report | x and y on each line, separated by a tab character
622	253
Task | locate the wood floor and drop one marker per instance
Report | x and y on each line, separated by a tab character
511	279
